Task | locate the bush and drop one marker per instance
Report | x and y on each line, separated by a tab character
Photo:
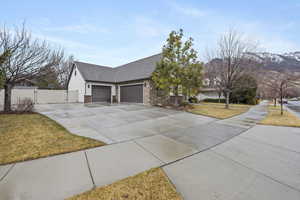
214	100
25	105
193	100
184	103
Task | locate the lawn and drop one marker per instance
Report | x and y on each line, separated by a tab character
218	110
149	185
30	136
276	119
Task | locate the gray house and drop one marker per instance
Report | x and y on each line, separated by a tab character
125	83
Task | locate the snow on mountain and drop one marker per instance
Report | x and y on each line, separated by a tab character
286	61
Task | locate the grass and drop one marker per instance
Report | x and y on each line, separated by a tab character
30	136
149	185
218	110
276	119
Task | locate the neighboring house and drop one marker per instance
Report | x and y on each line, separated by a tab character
209	91
126	83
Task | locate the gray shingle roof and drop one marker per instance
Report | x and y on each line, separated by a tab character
92	72
136	70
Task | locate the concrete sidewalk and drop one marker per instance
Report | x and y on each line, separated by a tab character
262	163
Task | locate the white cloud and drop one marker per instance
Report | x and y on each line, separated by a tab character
61	42
188	10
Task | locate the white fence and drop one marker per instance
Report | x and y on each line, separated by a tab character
42	96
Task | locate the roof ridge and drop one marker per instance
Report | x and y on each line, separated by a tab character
137	60
95	65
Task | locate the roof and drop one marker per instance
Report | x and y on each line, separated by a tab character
91	72
136	70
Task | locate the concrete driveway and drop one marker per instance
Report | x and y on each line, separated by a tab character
119	123
205	158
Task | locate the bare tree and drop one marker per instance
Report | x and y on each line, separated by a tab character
232	60
278	84
64	70
26	57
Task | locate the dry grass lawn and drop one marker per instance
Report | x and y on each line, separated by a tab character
218	110
149	185
30	136
276	119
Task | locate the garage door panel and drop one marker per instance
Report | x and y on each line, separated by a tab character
132	93
101	93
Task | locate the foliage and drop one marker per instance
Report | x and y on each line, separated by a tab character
47	78
1	80
3	58
178	69
209	100
193	100
244	90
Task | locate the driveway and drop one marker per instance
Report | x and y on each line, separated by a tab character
119	123
205	158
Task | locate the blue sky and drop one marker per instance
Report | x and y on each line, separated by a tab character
115	32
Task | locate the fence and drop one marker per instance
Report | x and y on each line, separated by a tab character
39	96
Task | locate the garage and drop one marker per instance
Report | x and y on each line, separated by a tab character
131	93
101	93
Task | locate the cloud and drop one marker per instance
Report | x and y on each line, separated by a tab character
188	10
61	42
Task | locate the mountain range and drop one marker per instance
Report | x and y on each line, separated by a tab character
278	62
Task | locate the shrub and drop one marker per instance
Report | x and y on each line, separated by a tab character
245	91
25	105
193	100
214	100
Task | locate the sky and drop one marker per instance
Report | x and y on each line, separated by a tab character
113	33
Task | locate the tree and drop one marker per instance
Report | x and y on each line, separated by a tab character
63	71
244	90
3	57
192	79
26	57
233	60
178	67
279	83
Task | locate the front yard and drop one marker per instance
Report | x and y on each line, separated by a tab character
218	110
276	119
30	136
151	185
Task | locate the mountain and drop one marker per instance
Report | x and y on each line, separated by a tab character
278	62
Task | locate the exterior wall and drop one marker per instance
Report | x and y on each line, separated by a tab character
77	82
209	95
42	96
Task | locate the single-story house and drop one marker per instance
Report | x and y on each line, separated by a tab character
125	83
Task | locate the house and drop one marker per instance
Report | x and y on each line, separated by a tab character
125	83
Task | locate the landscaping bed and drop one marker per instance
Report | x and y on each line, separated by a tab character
274	118
30	136
150	185
218	110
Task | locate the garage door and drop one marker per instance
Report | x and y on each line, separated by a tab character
101	93
132	93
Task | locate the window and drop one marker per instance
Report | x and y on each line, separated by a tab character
88	86
75	73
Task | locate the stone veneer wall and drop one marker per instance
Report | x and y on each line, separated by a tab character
155	97
146	92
